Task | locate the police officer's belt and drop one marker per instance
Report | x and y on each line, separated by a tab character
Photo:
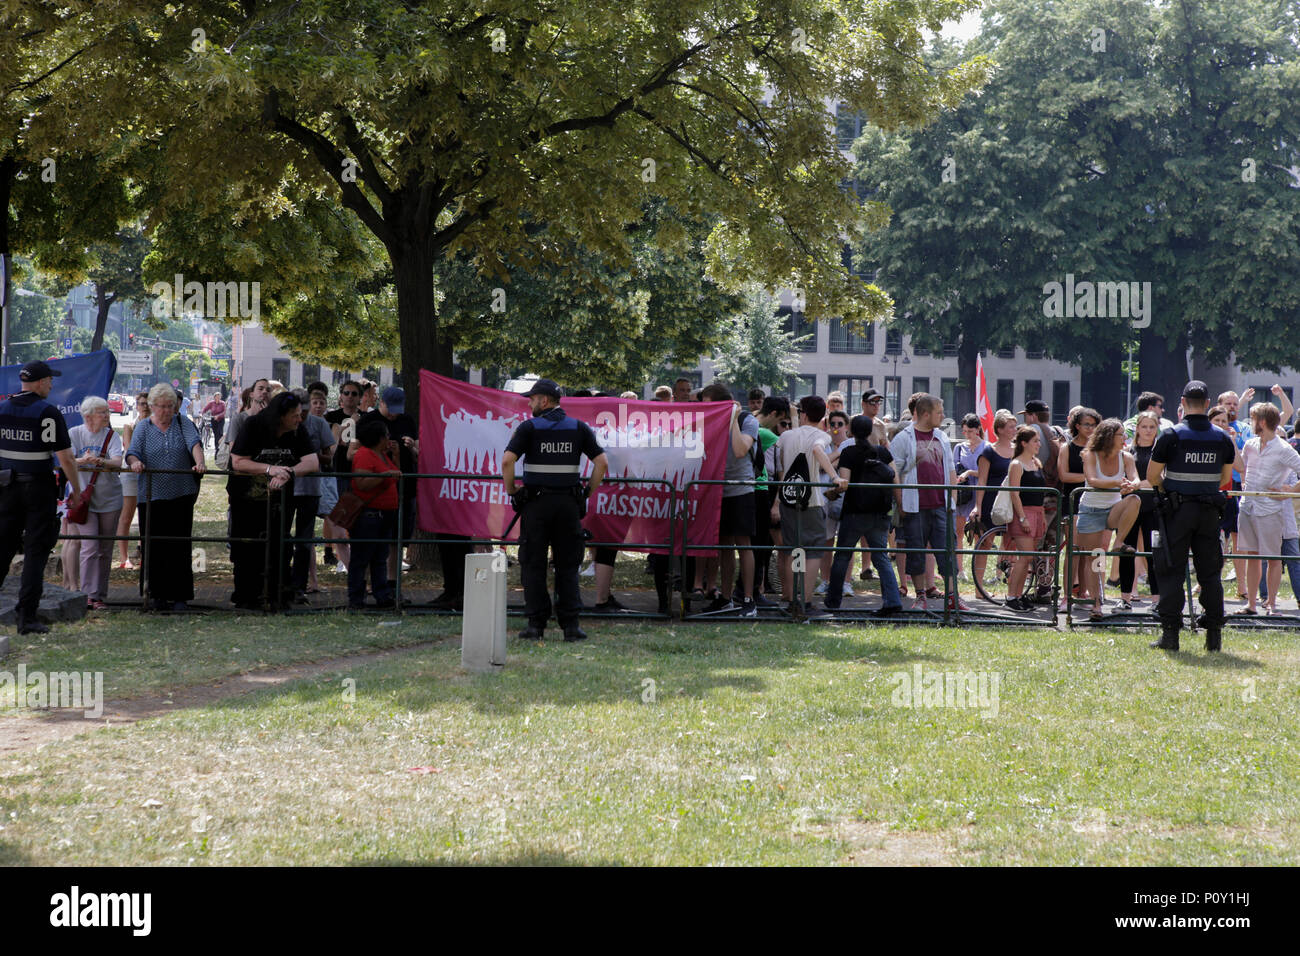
536	491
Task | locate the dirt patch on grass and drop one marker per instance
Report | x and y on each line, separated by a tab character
37	728
875	844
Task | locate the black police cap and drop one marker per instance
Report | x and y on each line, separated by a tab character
35	371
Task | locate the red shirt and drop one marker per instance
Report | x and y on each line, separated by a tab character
383	498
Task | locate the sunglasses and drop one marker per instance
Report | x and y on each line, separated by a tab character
350	394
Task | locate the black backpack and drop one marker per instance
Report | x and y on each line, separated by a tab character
797	495
874	501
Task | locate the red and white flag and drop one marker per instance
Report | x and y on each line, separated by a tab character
983	407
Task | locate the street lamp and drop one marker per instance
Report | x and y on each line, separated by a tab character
899	355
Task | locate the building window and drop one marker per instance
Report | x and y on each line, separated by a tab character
1264	393
1007	353
1035	354
844	339
920	384
920	350
949	349
1033	390
1060	402
1006	396
310	373
853	389
799	325
893	341
948	392
893	390
800	385
372	374
339	376
280	371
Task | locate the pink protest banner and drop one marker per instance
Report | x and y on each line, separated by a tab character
464	430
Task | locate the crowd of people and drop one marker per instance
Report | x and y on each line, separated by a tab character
793	468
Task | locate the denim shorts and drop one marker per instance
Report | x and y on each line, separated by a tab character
1092	519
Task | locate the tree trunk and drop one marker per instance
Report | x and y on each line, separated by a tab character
417	320
968	350
7	169
1163	367
1103	389
103	302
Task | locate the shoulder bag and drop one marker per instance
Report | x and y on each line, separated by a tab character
79	507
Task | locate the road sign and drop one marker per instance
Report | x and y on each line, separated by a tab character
135	363
67	345
218	358
220	373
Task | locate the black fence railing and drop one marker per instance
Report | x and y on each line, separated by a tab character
991	560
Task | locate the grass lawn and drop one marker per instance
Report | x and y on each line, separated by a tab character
772	743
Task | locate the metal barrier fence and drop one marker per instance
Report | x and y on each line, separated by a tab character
953	613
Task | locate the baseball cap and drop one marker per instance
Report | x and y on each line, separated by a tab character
544	386
35	371
395	399
1035	407
872	395
1197	391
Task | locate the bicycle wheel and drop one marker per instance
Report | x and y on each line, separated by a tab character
1042	575
991	581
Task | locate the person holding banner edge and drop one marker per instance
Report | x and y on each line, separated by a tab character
551	505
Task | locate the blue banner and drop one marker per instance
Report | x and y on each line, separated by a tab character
83	375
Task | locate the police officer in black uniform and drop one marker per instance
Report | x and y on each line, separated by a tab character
31	432
551	505
1189	464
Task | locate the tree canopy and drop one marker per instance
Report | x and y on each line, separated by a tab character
1119	141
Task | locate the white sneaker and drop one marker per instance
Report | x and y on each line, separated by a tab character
1231	575
919	604
821	588
848	590
340	568
589	571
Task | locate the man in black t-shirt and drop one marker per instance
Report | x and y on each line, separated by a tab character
865	514
270	450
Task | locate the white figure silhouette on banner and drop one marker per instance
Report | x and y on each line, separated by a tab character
636	453
474	444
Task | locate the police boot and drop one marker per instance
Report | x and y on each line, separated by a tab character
1213	639
574	633
531	633
1168	639
29	625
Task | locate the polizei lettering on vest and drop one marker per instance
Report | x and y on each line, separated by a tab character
17	434
1202	457
555	447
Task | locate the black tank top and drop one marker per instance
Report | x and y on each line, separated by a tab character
1075	459
1142	458
1031	479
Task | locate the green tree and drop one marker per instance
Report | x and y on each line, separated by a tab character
63	182
115	275
589	323
1111	145
758	350
518	135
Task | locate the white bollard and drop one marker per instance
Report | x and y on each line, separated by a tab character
483	627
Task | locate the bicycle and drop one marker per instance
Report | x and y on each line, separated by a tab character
992	584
